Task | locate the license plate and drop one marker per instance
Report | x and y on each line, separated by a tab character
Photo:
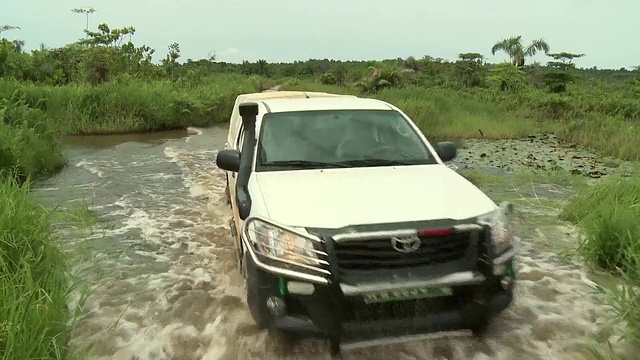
408	294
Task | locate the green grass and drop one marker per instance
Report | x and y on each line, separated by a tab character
33	280
27	141
609	215
134	105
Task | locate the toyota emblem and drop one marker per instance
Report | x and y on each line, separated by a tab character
406	244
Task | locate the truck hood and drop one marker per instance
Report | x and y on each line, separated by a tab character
333	198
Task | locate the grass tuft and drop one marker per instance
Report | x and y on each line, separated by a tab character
609	215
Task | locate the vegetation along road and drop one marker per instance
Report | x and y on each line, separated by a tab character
114	241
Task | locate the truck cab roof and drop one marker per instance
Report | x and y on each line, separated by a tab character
324	103
236	121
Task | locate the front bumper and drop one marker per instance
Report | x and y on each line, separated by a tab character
349	321
341	309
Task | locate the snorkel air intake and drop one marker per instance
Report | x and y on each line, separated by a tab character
248	112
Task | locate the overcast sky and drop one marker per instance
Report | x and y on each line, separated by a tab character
286	30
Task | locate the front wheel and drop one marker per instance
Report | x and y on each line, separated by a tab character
480	327
257	293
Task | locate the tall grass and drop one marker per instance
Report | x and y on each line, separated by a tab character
127	105
27	141
484	113
33	282
609	214
33	271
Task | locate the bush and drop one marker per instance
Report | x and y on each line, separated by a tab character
27	141
608	213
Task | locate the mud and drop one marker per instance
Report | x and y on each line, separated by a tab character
166	287
540	153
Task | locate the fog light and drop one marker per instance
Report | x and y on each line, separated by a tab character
499	269
296	287
276	306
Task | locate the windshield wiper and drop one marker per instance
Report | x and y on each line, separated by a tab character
378	162
305	164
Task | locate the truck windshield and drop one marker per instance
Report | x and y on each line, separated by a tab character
338	138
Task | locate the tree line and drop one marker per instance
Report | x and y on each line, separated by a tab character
110	54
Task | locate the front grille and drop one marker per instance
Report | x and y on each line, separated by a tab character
376	254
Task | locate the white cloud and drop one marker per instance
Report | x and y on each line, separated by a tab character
231	52
235	54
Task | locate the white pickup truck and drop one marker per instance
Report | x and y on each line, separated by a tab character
349	226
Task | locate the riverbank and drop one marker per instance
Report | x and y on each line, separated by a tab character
608	215
33	279
34	271
127	106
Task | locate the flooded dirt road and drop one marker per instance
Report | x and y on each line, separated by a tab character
166	286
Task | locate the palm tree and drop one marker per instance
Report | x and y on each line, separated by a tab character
262	67
4	28
517	52
380	77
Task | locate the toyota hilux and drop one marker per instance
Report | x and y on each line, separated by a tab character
349	225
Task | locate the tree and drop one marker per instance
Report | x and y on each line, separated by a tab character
559	75
412	63
106	36
506	77
4	28
171	60
564	59
86	11
469	68
383	76
262	67
517	52
18	45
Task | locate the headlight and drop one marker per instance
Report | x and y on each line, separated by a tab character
501	228
285	246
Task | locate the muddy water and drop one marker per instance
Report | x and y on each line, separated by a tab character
166	287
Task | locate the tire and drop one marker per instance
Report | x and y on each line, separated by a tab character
480	327
256	296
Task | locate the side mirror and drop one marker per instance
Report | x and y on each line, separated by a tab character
446	151
228	159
